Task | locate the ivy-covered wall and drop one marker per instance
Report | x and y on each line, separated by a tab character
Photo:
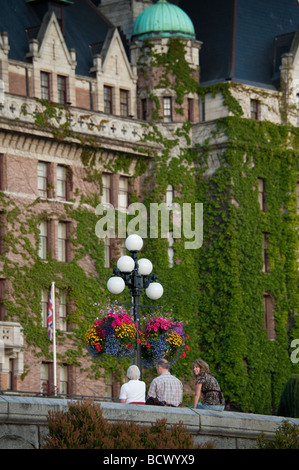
231	323
217	289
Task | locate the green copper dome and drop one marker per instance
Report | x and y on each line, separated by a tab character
163	19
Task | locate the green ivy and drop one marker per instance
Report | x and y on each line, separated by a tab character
217	289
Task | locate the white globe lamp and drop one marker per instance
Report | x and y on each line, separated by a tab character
134	242
125	264
115	285
154	291
145	266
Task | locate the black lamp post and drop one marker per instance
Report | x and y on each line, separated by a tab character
136	275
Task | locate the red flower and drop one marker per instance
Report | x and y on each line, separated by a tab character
187	347
138	340
183	355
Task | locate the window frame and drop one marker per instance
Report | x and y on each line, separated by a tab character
64	371
62	183
63	310
61	91
63	243
108	99
123	192
255	109
266	263
167	109
43	191
45	85
269	310
124	102
43	239
44	307
262	194
106	188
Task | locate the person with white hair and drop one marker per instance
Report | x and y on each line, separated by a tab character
133	391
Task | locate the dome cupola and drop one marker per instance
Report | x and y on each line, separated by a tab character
163	19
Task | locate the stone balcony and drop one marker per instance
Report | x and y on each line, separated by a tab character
11	345
115	132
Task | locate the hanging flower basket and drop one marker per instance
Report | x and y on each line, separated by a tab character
163	338
113	334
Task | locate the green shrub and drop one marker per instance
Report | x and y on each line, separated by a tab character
289	401
84	427
286	437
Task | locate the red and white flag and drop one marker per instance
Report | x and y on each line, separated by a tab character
51	329
50	316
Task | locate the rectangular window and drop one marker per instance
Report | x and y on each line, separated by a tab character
42	179
106	189
44	307
61	179
11	385
43	239
2	232
169	195
170	249
202	110
2	172
167	109
123	196
266	264
107	254
269	306
62	242
255	109
124	103
262	194
63	379
61	89
144	109
190	109
47	378
2	297
44	377
63	326
108	102
45	85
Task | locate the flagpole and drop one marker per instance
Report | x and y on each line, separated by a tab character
54	340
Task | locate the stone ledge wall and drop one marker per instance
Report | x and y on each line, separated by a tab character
23	422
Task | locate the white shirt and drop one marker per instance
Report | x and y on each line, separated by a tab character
134	390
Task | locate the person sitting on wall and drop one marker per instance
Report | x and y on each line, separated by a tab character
208	387
133	391
166	389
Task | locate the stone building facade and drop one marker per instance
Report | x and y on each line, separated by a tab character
99	98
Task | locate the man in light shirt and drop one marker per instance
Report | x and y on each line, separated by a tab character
166	389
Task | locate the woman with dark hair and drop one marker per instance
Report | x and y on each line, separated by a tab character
208	387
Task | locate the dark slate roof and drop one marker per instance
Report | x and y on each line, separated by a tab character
83	26
239	38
